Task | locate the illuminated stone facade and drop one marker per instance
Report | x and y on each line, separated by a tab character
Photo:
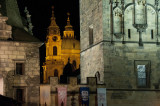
58	50
19	59
125	37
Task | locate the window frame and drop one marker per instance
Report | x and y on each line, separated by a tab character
56	70
54	51
23	94
23	66
91	38
147	64
21	72
152	34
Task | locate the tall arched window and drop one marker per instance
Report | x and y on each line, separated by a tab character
90	34
74	45
97	75
55	73
74	63
54	51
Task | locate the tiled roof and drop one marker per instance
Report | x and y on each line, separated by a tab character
21	35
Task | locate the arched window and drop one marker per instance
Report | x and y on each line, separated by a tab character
54	51
55	73
74	45
90	34
74	63
97	75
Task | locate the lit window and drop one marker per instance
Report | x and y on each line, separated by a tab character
142	71
20	68
142	79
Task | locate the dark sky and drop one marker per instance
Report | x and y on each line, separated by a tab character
41	14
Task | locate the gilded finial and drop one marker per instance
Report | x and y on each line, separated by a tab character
68	16
53	22
53	28
68	20
52	11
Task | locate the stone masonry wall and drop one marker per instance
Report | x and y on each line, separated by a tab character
91	15
120	70
27	53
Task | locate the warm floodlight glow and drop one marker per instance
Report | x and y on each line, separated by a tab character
1	85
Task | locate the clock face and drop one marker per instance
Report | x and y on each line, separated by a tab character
54	38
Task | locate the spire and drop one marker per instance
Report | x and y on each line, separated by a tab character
69	32
53	28
53	19
68	20
68	27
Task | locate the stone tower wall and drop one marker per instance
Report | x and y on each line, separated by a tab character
91	55
130	38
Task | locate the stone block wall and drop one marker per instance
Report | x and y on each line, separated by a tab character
133	98
120	67
91	15
12	52
120	51
91	62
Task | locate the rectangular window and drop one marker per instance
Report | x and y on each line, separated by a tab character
152	34
141	71
129	33
20	95
19	68
91	35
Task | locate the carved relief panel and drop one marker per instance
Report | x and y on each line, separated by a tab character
117	21
140	12
136	17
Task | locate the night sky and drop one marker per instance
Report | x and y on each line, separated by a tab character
41	14
41	11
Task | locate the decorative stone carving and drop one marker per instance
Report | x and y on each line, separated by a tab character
117	22
30	26
5	30
140	18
